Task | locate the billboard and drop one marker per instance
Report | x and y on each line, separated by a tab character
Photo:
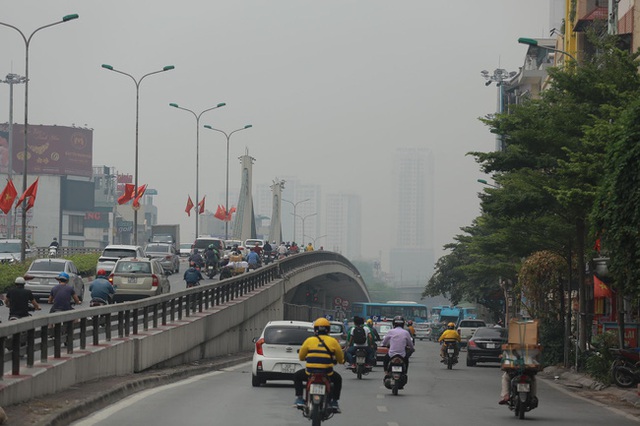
77	195
52	150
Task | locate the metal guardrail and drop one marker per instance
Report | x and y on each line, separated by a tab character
66	251
27	336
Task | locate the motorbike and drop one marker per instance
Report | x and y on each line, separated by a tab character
97	301
520	390
450	354
53	251
625	369
316	396
360	367
212	271
396	375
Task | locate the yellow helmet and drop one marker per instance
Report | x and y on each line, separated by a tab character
451	325
369	321
321	326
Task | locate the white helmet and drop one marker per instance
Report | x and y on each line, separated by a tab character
19	281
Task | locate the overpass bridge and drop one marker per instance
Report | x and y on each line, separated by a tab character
49	353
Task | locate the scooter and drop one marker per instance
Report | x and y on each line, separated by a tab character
450	354
53	251
520	390
212	271
396	374
97	301
316	396
360	367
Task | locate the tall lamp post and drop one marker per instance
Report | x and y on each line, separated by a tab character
303	218
135	182
27	42
499	76
197	116
295	206
226	192
533	42
313	240
11	79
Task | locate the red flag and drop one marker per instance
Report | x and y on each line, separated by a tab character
229	214
139	194
29	195
189	206
220	213
600	289
128	193
7	197
201	206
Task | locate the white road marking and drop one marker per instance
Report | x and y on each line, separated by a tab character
393	424
108	411
378	396
382	408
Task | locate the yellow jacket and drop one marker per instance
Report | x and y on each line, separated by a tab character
449	335
319	360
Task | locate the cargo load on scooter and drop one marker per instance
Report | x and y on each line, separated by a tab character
522	349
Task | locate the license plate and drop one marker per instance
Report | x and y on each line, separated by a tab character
451	351
396	369
132	280
288	368
317	389
491	345
523	387
360	360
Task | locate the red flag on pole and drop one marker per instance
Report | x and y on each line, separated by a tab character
201	206
29	196
139	194
189	206
220	213
7	197
229	214
128	193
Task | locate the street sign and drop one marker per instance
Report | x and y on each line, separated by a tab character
345	304
329	317
337	301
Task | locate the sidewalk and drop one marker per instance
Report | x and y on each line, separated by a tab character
627	400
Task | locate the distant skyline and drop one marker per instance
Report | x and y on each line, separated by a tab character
331	88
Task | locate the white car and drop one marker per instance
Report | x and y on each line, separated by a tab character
10	251
276	352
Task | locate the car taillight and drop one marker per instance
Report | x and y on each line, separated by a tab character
111	279
472	344
155	280
259	344
168	257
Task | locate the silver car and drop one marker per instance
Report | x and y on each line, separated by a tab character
10	250
41	277
136	278
166	254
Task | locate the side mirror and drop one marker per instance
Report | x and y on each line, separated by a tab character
255	339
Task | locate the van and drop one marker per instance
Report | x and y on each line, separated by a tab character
202	243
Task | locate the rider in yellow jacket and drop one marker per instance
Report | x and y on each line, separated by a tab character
449	335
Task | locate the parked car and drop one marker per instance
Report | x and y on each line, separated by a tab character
486	345
382	328
10	250
467	327
185	250
41	277
339	332
112	253
166	254
136	278
276	351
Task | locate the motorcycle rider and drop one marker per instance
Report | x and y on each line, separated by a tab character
192	275
61	295
411	330
352	345
211	257
253	259
372	329
449	335
282	250
320	352
399	342
18	299
101	288
54	243
196	259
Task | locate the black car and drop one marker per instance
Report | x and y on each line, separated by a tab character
486	345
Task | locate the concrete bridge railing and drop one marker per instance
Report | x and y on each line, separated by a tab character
172	329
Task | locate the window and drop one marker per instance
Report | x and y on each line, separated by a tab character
284	335
76	225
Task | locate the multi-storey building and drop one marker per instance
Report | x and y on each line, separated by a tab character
343	226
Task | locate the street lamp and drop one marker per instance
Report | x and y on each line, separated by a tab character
226	197
135	182
303	218
499	77
27	42
197	116
313	240
533	42
11	79
484	182
295	206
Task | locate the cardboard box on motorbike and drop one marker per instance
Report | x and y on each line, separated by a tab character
522	349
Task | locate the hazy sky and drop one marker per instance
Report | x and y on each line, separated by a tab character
330	87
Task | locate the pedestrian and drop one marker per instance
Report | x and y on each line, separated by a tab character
18	299
62	294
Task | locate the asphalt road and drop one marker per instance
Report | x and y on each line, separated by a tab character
434	395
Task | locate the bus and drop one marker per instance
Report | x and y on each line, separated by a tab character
469	312
435	313
386	311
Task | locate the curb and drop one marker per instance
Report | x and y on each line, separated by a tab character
134	385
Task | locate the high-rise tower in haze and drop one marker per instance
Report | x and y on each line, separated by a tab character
412	255
344	225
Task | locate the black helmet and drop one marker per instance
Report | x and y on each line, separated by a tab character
358	320
398	321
